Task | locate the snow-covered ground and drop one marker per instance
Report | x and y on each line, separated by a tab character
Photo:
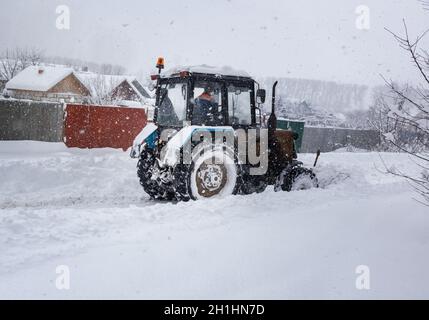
85	209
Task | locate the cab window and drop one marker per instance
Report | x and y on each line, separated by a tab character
239	109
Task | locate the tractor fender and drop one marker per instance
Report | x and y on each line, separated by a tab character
170	154
148	136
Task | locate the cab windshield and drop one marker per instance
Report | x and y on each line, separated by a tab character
172	104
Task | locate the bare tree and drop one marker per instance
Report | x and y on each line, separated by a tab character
382	119
9	64
425	4
406	112
12	61
378	115
101	87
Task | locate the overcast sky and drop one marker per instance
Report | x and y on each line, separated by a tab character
295	38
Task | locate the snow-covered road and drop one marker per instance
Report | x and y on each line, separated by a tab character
85	209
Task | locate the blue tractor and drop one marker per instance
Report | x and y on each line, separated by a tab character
208	138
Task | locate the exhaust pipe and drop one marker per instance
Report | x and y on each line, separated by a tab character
272	120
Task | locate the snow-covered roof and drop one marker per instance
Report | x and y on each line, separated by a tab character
38	78
43	78
143	92
225	71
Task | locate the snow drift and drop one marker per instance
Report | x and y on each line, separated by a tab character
85	209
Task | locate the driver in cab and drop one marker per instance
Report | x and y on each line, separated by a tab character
205	108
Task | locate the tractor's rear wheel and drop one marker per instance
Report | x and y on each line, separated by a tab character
212	174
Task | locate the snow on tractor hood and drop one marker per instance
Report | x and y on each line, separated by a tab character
170	154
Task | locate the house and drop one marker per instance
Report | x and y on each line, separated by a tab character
61	84
47	83
130	89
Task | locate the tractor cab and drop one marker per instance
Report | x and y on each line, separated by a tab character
203	96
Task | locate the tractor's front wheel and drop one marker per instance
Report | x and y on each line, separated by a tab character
299	178
150	177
